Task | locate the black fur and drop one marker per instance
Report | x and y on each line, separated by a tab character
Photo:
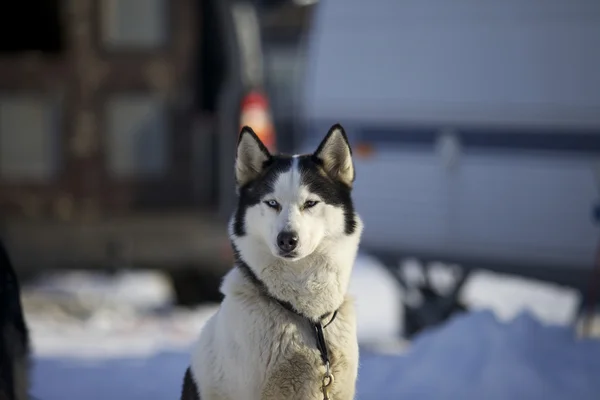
331	190
190	389
254	191
14	336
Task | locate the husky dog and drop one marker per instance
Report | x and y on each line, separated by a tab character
14	337
286	328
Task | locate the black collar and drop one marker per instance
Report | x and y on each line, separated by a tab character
317	325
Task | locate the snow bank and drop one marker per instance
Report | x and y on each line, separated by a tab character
140	289
378	300
112	333
476	357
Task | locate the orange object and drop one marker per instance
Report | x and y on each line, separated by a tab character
255	113
364	150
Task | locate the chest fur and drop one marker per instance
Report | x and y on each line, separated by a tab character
295	368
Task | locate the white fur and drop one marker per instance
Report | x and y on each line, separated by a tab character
312	225
253	348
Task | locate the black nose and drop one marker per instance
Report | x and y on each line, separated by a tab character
287	241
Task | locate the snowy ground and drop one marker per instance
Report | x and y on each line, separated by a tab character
119	338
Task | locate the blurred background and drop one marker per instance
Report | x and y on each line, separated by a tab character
476	134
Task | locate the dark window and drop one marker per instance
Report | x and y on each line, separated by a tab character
30	25
211	56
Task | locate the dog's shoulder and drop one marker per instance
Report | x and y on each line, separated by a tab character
234	345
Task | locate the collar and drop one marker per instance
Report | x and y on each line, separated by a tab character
317	325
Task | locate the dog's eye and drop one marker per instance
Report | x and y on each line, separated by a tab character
310	204
273	204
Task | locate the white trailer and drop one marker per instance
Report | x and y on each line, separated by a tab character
476	127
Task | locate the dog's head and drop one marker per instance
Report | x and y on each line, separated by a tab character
289	206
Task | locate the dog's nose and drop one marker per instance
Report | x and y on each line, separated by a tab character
287	241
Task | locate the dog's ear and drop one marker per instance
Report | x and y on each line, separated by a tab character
251	156
335	155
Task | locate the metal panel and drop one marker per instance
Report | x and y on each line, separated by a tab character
28	137
464	62
406	205
137	132
523	206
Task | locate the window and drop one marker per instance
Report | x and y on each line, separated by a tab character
29	137
127	24
137	131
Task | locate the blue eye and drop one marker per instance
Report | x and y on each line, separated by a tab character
310	204
273	204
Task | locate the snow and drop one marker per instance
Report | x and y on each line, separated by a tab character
156	377
378	301
127	342
475	356
95	315
142	289
113	334
508	296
